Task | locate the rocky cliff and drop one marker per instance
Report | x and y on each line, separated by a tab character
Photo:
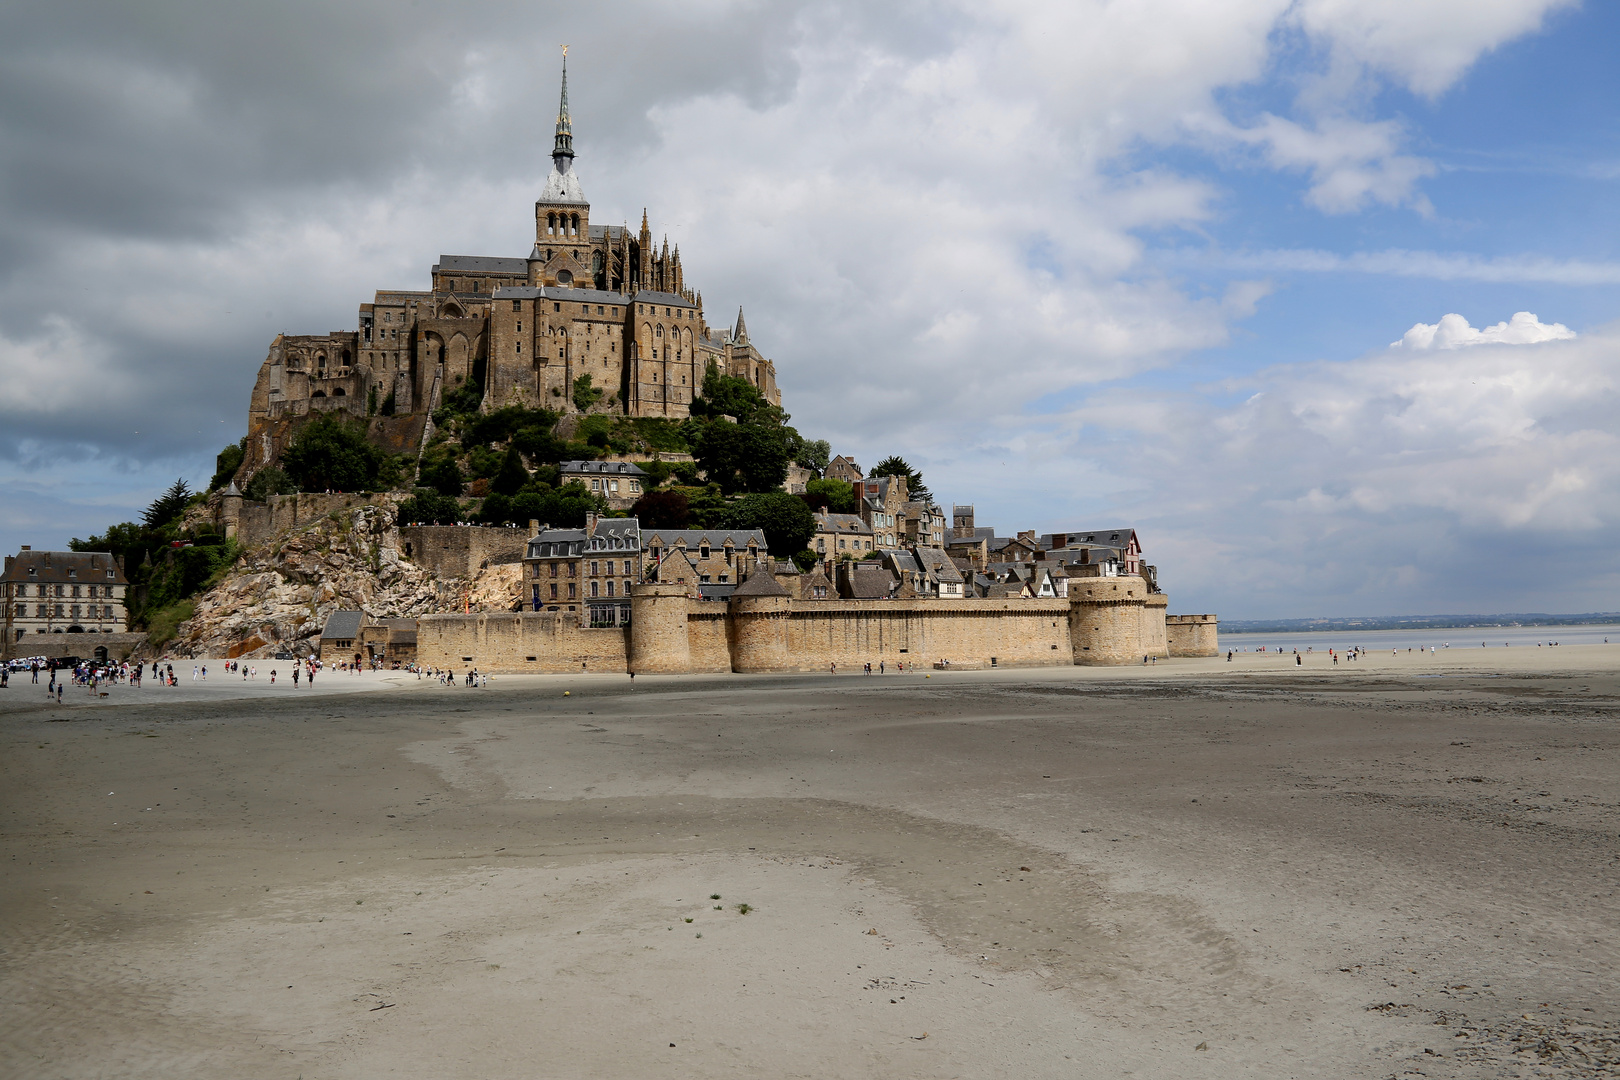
279	595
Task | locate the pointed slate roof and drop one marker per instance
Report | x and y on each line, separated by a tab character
740	335
760	583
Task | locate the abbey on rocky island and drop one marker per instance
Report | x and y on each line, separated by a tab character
595	308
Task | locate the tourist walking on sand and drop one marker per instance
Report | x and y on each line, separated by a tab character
295	676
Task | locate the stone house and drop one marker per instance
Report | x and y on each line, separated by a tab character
718	557
392	641
922	524
56	592
840	534
879	502
842	468
340	637
619	482
591	568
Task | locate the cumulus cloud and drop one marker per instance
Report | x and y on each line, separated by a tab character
1432	481
933	213
1453	332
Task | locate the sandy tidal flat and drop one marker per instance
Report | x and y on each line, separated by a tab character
1399	866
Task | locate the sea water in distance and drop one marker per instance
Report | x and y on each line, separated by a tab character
1456	637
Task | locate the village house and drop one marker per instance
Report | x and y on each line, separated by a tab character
840	534
620	483
712	562
591	568
842	468
57	592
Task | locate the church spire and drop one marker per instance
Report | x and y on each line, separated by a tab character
564	146
740	336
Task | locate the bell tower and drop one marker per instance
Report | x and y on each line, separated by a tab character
562	216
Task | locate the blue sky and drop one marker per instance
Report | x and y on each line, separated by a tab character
1084	264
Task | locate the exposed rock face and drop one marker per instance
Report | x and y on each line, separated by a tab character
280	594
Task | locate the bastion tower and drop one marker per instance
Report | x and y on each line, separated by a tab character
597	318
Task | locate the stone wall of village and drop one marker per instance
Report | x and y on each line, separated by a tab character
461	550
1110	621
1193	635
537	642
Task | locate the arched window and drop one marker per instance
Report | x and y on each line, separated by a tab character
574	225
320	361
338	391
551	224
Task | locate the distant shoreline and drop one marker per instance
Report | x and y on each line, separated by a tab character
1414	622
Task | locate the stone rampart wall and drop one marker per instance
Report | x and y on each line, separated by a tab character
461	550
1009	633
259	522
1193	635
549	642
708	632
1155	640
775	634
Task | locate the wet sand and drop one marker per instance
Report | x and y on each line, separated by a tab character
1399	866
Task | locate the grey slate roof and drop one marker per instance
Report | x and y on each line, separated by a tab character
601	468
647	296
1118	537
91	567
552	292
481	264
844	523
343	625
760	583
694	538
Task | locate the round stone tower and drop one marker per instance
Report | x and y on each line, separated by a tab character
1193	635
658	642
759	618
1105	619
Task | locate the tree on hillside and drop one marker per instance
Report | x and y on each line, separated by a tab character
726	395
894	465
835	495
813	454
168	506
440	472
428	507
269	481
743	457
511	477
332	453
662	510
585	395
785	520
226	464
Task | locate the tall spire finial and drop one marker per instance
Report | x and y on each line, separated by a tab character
564	146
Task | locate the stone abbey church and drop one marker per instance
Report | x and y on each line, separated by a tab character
596	300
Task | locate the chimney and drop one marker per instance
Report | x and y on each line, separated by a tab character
534	527
9	560
25	547
590	523
1028	535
